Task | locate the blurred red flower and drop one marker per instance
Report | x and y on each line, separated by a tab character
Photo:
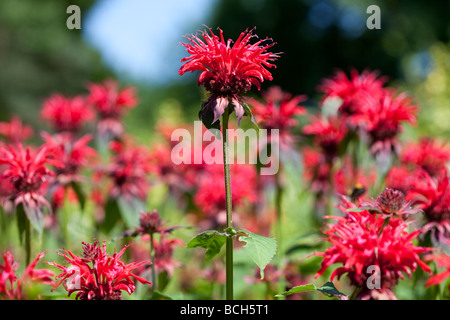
15	131
111	104
351	89
278	111
12	287
227	71
105	279
443	261
66	114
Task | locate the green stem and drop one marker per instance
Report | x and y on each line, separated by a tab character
278	203
152	257
229	241
27	241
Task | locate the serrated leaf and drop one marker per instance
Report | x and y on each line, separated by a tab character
211	240
129	211
260	249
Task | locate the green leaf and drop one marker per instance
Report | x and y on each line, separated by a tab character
327	289
211	240
248	113
297	289
129	210
260	249
159	296
35	216
330	290
80	195
112	215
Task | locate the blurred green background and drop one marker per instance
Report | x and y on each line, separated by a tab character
137	42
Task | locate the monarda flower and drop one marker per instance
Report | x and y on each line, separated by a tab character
382	118
443	261
363	243
15	131
210	196
432	195
428	154
97	275
12	287
390	202
227	70
351	89
111	104
28	175
66	114
278	110
74	153
128	171
328	133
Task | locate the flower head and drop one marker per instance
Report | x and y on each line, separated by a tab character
278	111
362	240
111	104
97	275
227	70
351	89
443	261
15	131
12	287
66	114
27	172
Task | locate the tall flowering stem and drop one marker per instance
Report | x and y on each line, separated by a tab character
228	203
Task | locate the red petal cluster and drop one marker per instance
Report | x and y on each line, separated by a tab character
100	276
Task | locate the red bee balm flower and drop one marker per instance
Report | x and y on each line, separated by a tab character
278	111
111	104
66	114
362	240
8	277
443	261
350	89
28	175
105	279
227	71
14	131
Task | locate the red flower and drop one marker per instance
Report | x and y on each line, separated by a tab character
105	279
164	249
111	104
428	155
26	170
66	114
382	118
360	240
12	287
278	111
317	171
129	170
328	133
75	154
443	261
432	195
351	89
14	131
210	196
227	71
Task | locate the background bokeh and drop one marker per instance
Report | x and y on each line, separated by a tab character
137	42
